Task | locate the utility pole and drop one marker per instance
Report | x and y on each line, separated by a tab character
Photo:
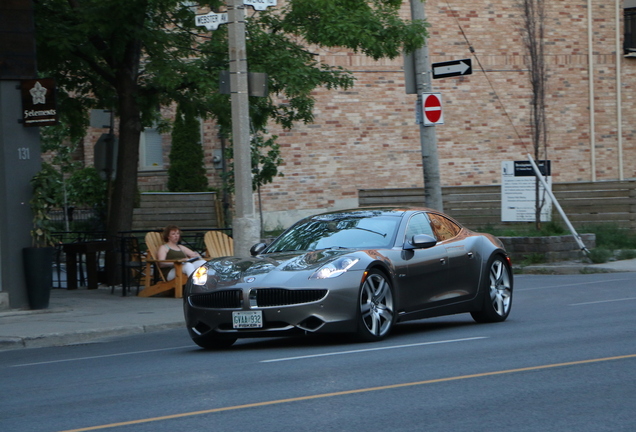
428	138
245	224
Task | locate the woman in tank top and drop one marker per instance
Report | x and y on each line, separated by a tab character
172	250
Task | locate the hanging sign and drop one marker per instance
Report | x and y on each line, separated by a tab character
210	21
260	4
38	102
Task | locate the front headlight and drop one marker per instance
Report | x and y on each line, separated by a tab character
334	268
200	276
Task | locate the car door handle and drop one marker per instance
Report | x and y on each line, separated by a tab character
470	255
442	261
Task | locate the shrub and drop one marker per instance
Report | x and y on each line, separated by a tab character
600	255
187	170
611	236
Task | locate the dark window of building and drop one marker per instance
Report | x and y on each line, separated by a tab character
629	45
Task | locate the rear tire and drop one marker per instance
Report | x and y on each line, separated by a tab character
376	313
496	287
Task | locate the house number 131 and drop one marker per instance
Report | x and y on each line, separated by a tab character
23	153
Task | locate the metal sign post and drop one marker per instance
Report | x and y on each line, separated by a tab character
557	205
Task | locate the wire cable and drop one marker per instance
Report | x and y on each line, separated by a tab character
492	87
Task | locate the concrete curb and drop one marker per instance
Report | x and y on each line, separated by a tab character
80	337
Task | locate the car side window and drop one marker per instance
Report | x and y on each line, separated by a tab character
444	228
419	224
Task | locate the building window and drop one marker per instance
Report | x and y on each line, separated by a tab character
629	44
150	150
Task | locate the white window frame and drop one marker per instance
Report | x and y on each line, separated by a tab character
150	150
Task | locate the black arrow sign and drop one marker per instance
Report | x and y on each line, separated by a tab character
452	68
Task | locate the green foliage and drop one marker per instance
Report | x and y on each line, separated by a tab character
553	229
599	255
373	28
87	189
74	186
611	236
133	56
534	258
266	159
187	171
626	254
47	186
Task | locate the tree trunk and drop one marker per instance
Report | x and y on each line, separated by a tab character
122	199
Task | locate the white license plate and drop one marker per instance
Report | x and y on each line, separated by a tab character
251	319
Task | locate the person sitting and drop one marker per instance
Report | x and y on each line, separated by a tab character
172	250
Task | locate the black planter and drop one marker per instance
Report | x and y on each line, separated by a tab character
38	274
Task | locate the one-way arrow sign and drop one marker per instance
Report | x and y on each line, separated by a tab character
452	68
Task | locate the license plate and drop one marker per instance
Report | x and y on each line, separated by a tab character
251	319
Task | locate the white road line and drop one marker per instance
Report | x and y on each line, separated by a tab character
372	349
101	356
571	285
603	301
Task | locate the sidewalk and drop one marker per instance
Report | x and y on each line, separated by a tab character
577	267
83	315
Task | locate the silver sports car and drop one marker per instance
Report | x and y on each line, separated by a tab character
357	271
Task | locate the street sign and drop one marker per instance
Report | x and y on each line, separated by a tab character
518	191
260	5
211	21
432	109
452	68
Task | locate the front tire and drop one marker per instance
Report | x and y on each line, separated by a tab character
210	342
497	292
376	313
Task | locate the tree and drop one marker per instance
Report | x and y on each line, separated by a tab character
534	39
135	55
186	172
266	159
76	185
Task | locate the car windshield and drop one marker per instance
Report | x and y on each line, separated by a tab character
338	231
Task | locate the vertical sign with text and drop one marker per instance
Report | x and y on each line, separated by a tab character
38	102
518	191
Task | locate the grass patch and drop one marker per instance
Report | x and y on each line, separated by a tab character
533	258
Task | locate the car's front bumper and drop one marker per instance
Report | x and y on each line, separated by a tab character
285	311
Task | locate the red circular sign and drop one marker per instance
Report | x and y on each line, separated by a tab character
432	108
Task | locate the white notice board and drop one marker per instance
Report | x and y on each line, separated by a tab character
518	184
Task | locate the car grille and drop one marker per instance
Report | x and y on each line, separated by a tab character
284	297
230	299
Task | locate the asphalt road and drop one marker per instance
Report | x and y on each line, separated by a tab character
564	361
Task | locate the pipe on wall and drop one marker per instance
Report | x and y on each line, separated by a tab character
619	86
590	56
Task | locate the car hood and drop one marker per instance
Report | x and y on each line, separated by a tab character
234	269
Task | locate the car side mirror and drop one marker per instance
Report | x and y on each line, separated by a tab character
257	248
420	241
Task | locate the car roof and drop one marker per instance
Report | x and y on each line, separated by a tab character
369	212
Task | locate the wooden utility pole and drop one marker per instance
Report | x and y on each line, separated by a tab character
245	227
428	138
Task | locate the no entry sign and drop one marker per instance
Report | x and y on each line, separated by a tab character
432	109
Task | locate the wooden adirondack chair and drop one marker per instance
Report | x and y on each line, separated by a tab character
158	284
218	244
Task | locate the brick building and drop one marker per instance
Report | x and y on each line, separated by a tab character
366	137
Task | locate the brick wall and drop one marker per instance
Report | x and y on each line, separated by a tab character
366	137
